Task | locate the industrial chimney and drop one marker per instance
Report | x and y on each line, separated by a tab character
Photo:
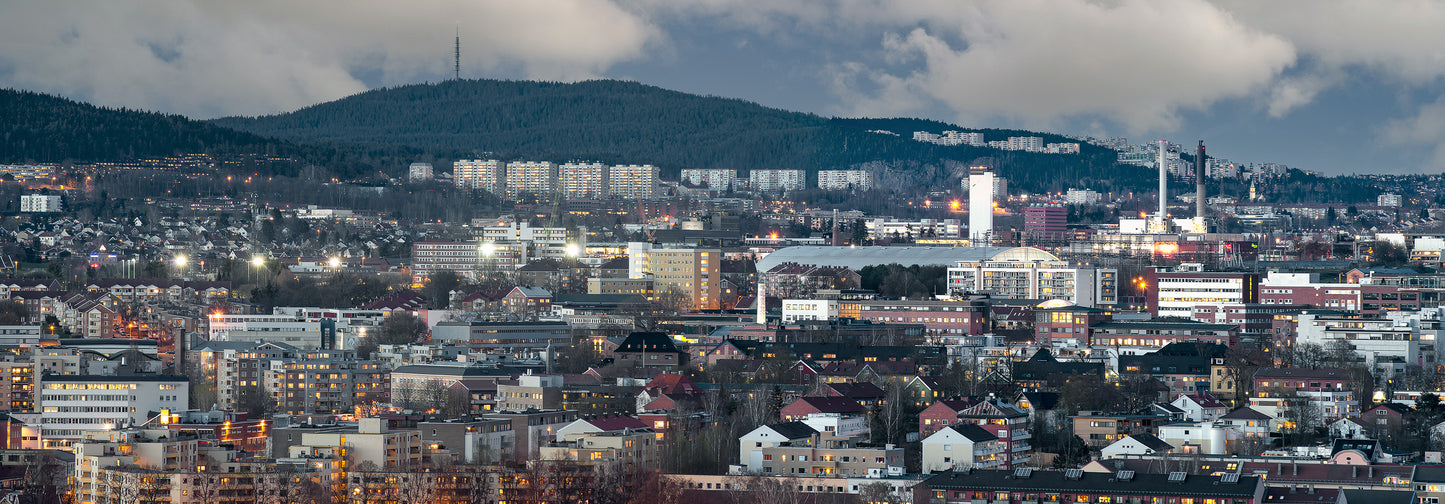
1163	182
1199	184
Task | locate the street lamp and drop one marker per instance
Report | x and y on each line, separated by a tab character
256	263
181	265
334	263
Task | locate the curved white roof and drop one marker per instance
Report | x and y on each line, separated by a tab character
858	257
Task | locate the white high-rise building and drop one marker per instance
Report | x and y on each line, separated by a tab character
489	175
583	180
1389	200
39	203
536	177
632	182
980	205
69	405
842	180
717	179
419	172
1081	197
776	181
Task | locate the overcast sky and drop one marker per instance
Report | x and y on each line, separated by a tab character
1334	86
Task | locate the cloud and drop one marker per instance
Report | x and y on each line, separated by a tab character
1424	130
207	59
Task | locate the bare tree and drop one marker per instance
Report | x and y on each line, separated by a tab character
478	484
890	413
416	487
881	493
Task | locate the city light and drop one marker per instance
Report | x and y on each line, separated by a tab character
180	261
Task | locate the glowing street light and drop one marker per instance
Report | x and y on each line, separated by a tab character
180	261
334	262
572	250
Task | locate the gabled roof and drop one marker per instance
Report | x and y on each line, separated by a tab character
1365	446
793	430
1204	400
864	390
531	292
1041	401
615	424
973	432
1245	413
1152	442
1398	408
671	383
647	342
832	404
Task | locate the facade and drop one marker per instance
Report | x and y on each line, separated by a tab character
1328	389
693	272
632	182
489	175
962	446
583	180
419	172
843	180
716	179
1150	335
1388	345
809	309
370	441
776	181
503	337
1074	485
72	404
538	178
1030	273
1045	222
40	203
1178	293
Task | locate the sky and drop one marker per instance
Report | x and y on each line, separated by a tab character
1333	86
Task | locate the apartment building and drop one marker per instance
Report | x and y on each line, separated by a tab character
1331	390
844	180
370	441
795	449
487	175
776	181
39	203
1387	345
582	181
72	404
712	178
693	272
630	449
965	445
329	383
503	337
468	259
419	172
538	178
632	182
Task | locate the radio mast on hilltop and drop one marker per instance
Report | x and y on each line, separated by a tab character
457	57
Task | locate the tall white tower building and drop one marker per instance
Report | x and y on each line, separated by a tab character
980	205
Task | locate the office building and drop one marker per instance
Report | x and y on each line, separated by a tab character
1177	293
1045	222
72	404
693	272
1030	273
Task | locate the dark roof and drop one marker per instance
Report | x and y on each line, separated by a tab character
1356	496
1165	323
433	369
1431	474
833	404
1192	349
1365	446
647	342
864	390
793	430
1042	401
1303	373
973	432
1054	481
1152	442
112	379
1245	413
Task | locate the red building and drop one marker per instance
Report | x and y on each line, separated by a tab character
1045	222
225	427
939	318
1255	320
941	414
1069	322
1009	423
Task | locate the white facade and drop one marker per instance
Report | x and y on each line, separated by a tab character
39	203
1179	295
809	309
1081	197
489	175
72	404
716	179
418	172
838	424
1388	345
536	177
632	182
776	181
842	180
1212	438
1129	445
1035	274
583	180
937	228
947	449
980	208
1389	200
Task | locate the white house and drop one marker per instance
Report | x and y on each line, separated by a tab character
1354	428
838	424
962	445
751	445
1250	422
1136	444
1200	407
1205	438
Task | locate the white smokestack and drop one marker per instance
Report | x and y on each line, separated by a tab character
1163	181
762	305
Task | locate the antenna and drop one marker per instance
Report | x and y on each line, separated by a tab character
457	61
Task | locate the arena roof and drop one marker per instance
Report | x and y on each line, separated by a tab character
858	257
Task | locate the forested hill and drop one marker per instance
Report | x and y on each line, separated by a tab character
627	122
39	128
